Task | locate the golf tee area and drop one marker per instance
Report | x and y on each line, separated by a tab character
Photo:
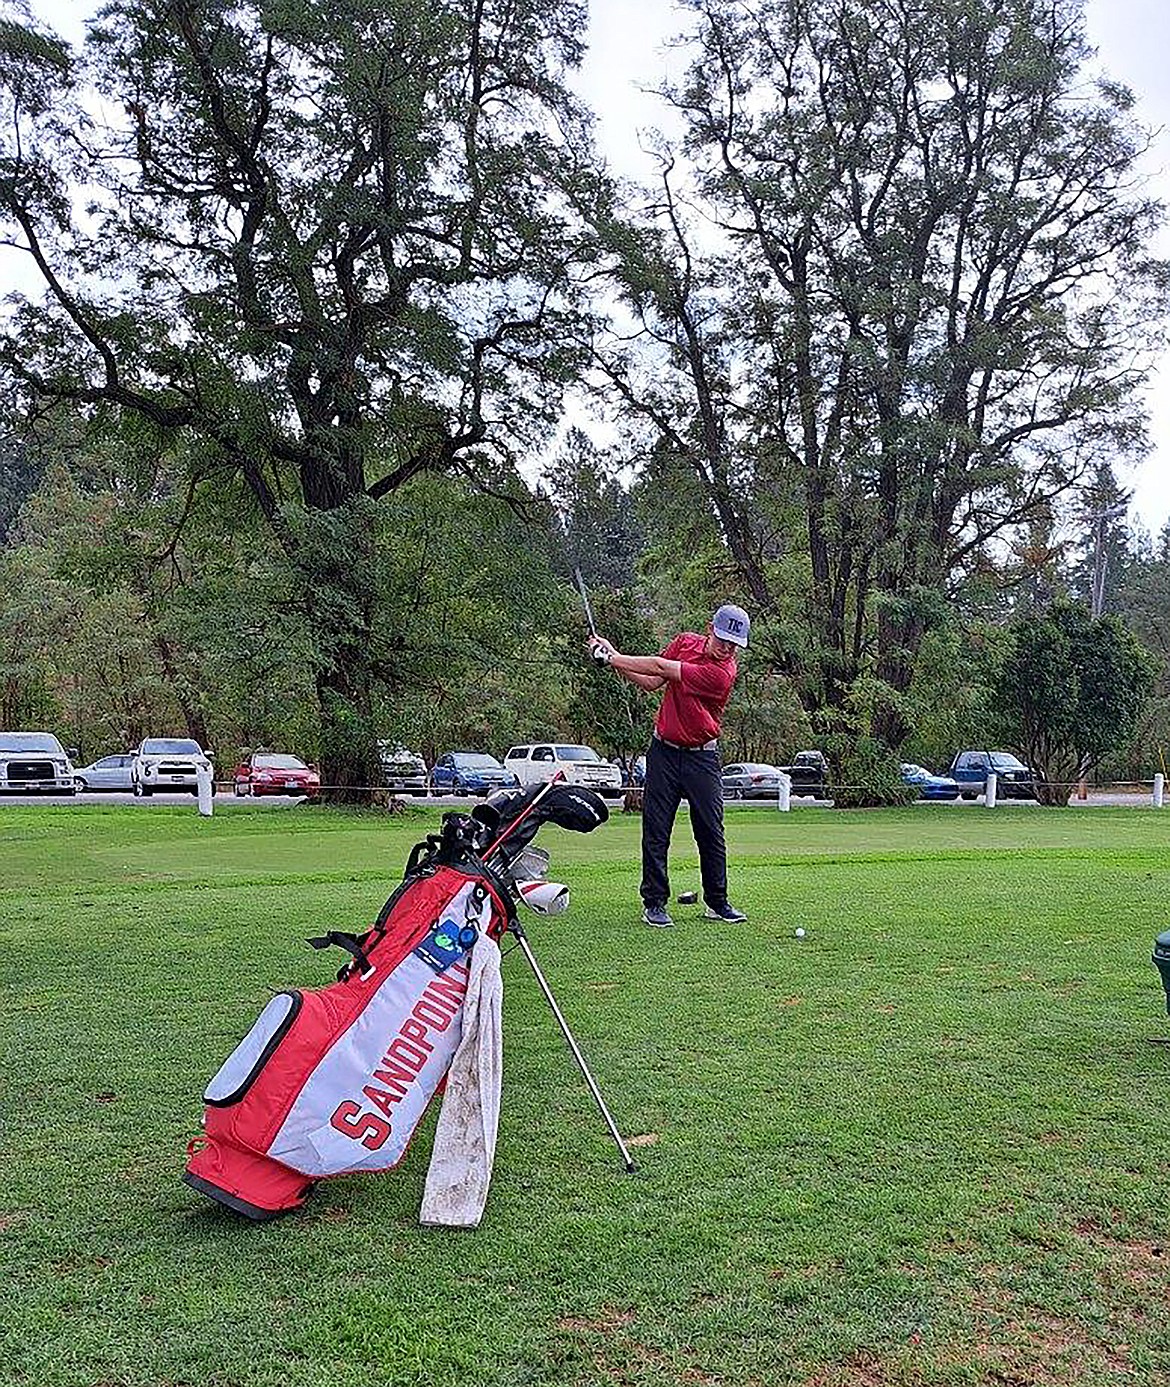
927	1143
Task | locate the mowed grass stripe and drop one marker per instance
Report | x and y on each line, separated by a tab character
925	1144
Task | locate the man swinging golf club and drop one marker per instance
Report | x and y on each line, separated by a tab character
682	761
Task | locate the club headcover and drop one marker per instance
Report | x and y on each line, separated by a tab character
545	897
489	816
569	806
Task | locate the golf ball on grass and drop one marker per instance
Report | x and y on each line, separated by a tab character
800	934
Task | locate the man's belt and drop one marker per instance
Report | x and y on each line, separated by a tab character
712	745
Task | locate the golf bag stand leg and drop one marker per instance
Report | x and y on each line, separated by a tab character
517	930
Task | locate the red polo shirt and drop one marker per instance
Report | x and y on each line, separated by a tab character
691	709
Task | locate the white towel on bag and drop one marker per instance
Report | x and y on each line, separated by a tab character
465	1138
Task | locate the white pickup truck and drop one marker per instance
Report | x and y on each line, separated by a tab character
579	765
35	762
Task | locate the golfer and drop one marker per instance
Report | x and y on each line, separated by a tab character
682	761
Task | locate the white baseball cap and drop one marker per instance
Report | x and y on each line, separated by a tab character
731	624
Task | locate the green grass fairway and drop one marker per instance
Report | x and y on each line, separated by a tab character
927	1144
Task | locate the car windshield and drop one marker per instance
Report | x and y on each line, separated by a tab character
577	753
909	768
279	763
170	746
1002	761
392	753
477	761
759	768
31	741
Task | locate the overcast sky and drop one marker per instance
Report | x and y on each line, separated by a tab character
627	41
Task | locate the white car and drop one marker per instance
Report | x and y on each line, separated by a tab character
579	765
110	773
35	761
168	764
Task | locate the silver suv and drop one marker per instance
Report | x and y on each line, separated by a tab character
168	764
36	762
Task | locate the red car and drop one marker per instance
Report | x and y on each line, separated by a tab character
275	773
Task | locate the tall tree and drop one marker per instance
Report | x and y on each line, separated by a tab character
920	294
329	243
600	532
1069	691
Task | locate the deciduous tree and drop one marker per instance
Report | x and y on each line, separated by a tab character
330	244
903	275
1069	692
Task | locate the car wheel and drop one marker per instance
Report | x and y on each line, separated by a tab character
238	788
140	790
968	794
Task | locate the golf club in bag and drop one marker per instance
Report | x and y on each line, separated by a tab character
335	1080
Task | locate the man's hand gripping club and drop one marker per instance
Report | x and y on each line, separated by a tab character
643	671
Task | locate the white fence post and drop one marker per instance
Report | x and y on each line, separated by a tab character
784	801
203	781
1159	789
992	789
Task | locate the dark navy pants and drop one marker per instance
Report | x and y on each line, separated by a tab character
672	776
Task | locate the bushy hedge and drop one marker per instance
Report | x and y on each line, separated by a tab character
867	776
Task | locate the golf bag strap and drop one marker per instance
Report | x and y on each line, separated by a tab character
349	942
427	848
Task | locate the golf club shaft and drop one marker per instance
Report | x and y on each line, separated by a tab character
579	584
522	940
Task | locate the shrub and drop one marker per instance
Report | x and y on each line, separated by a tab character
868	776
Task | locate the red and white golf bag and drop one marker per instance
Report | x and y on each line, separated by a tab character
336	1080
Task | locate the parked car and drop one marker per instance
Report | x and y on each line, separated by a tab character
405	771
579	765
929	786
633	772
809	774
110	773
1014	780
469	773
275	773
751	780
35	762
168	764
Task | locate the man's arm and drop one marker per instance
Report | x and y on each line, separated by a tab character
645	671
647	666
649	682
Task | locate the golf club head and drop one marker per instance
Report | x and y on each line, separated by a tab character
462	829
545	897
488	815
529	864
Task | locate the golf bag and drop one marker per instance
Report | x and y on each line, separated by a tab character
335	1080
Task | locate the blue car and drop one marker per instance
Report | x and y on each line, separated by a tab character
469	773
929	786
